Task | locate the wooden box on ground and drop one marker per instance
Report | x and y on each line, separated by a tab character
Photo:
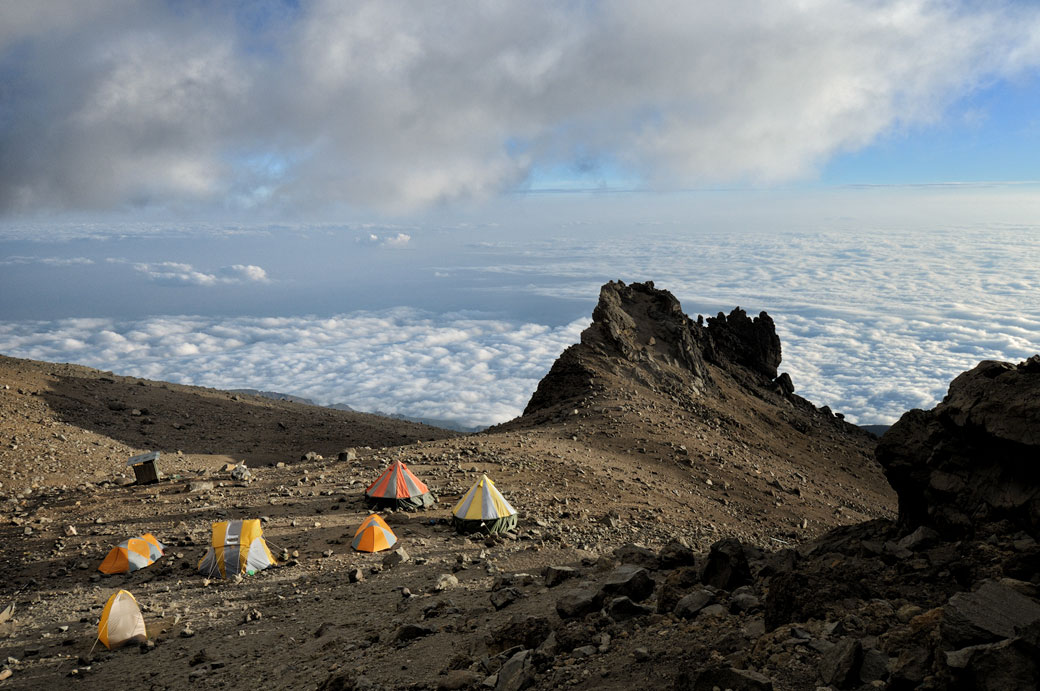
146	467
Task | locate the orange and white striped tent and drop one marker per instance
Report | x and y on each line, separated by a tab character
121	622
236	547
132	554
398	488
373	535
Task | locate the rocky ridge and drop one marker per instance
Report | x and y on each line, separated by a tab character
641	332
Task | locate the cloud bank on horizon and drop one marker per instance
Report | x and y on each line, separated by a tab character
872	323
397	104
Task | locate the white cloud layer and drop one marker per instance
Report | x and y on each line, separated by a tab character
179	274
403	103
873	322
46	261
455	366
397	240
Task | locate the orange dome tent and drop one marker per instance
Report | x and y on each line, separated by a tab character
132	554
373	535
398	488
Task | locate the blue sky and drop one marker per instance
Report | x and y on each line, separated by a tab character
990	135
178	169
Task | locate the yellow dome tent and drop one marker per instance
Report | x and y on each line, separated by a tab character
373	535
121	622
132	554
236	547
483	508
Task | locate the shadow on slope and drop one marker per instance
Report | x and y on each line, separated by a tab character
155	415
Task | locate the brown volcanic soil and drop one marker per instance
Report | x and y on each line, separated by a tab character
625	460
62	423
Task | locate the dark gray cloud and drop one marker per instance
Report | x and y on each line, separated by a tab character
397	104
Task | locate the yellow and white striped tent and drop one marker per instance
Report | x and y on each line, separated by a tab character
483	508
236	547
121	622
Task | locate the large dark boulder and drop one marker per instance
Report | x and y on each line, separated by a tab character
517	673
578	603
975	458
638	555
676	585
801	595
839	666
991	613
727	565
691	605
628	581
722	677
623	608
677	553
1007	664
526	632
554	575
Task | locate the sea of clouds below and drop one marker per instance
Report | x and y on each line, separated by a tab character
447	366
872	323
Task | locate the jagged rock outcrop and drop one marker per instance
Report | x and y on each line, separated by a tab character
741	340
645	328
975	458
641	323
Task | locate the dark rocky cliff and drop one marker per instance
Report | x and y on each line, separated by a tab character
643	329
975	458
